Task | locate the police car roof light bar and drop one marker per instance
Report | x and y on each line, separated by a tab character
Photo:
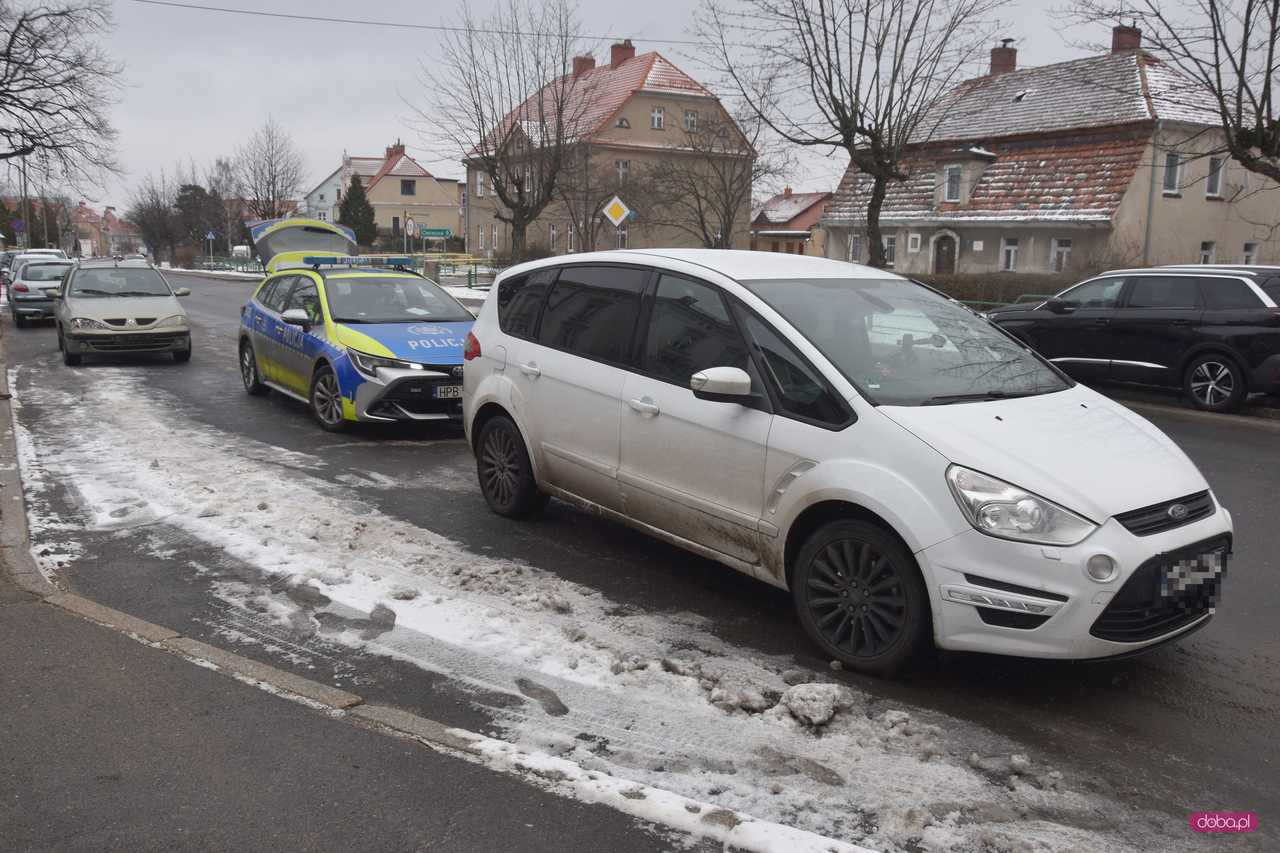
357	260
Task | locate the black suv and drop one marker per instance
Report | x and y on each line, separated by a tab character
1213	331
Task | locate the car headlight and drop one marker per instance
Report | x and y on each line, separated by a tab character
83	324
177	320
999	509
369	364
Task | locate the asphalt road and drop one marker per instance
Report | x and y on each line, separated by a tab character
1188	727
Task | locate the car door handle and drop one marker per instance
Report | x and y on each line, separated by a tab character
644	406
1100	322
1182	322
530	368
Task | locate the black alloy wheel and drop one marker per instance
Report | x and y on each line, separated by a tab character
1215	383
249	371
859	595
505	472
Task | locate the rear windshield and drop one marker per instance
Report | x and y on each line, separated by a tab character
391	300
118	281
43	272
902	344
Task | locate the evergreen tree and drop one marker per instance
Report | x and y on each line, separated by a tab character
356	213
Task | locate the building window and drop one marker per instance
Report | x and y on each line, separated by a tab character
1213	183
528	181
624	169
1172	168
395	226
571	240
622	236
1009	254
322	196
890	250
1207	250
480	237
690	120
657	117
952	189
855	247
551	237
493	233
1059	254
480	185
408	187
321	216
622	123
913	242
1250	255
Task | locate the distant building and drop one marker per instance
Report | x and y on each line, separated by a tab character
788	223
102	234
1111	160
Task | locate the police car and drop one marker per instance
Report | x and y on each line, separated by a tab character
356	338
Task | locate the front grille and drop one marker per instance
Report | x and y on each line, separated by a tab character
1157	519
418	397
1165	594
131	343
124	321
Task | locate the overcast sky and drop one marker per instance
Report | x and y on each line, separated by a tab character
197	83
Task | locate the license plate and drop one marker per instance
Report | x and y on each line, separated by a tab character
448	392
1189	573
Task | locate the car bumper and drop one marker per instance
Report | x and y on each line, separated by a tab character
128	342
407	395
1052	583
33	309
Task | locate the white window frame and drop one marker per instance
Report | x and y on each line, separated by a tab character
947	171
571	240
479	184
691	120
493	237
321	215
1207	255
1250	253
913	242
624	170
1213	180
1172	167
854	249
658	118
551	237
890	249
1009	254
528	181
480	237
1056	249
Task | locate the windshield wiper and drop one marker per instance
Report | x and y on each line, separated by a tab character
139	293
88	291
994	394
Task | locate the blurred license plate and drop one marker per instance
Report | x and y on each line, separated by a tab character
448	392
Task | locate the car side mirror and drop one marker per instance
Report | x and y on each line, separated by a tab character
297	317
1058	306
182	291
721	384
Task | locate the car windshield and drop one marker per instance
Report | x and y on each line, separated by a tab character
902	344
43	272
391	300
118	281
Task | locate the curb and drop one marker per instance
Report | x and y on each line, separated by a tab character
1253	419
734	830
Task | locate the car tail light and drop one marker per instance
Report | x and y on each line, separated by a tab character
21	288
472	348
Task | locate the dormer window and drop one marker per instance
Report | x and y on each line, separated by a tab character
951	189
622	123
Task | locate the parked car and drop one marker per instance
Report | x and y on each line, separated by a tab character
35	281
110	307
358	339
1212	331
907	470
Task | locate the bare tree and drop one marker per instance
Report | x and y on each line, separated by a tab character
153	209
1226	50
506	102
222	181
56	84
859	75
270	172
585	186
703	186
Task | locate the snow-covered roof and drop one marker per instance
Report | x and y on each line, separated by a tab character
786	206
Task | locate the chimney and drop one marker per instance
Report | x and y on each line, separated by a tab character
1125	38
621	52
1004	58
583	64
393	150
786	192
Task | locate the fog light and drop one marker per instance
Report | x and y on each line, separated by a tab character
1101	568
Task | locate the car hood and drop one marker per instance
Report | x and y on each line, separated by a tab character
429	343
126	307
1074	447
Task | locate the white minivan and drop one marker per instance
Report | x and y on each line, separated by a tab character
907	470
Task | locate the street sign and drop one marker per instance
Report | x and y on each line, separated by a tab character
410	225
436	232
616	212
211	236
18	226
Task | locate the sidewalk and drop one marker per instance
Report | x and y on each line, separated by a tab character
108	744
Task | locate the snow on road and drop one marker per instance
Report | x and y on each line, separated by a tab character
654	698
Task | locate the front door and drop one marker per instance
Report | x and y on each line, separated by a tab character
299	346
692	467
1079	337
944	255
1157	323
268	327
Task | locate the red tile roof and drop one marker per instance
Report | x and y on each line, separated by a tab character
784	207
399	164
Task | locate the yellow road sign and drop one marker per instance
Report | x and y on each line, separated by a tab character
615	211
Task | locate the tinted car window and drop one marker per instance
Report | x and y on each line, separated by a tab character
275	299
690	330
520	302
306	297
1157	291
1271	287
592	311
1103	293
1228	293
801	391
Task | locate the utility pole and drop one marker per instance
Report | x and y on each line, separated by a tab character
26	207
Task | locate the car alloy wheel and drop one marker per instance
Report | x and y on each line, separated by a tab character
1214	383
249	370
506	475
326	400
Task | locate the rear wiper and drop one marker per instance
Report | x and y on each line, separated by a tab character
943	399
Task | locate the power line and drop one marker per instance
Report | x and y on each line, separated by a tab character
400	25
